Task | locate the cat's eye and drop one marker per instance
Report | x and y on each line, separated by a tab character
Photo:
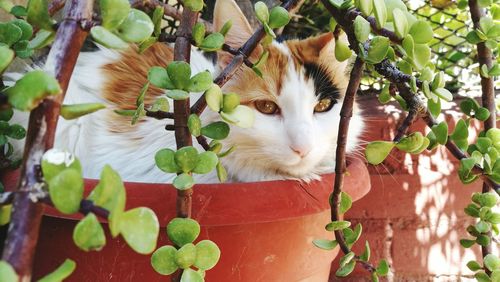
324	105
266	107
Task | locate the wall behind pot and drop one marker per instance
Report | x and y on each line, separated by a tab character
413	216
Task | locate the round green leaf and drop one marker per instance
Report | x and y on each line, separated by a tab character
483	240
7	272
380	12
158	77
26	28
411	142
241	116
5	212
346	270
186	158
474	265
103	36
198	33
54	161
261	12
400	23
226	27
180	74
207	255
137	27
345	202
421	31
217	130
185	256
392	5
213	96
325	244
18	132
6	57
481	276
278	17
342	51
337	225
194	125
177	94
193	5
38	14
42	38
189	275
346	259
482	114
361	29
183	181
382	268
6	114
160	104
140	228
221	172
88	234
66	190
200	82
110	194
165	161
441	132
69	112
163	260
379	46
31	89
421	56
438	81
365	6
212	42
444	94
182	231
230	102
377	151
206	162
114	12
365	256
61	273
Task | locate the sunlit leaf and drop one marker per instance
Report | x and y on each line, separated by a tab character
114	12
88	234
207	255
61	273
140	228
31	89
163	260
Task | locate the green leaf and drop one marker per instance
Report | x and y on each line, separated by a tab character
444	94
230	101
466	165
160	104
411	142
198	33
185	256
485	199
163	260
385	97
400	23
194	125
441	132
186	158
483	240
361	29
438	81
74	111
38	14
482	227
325	244
42	38
183	181
278	17
140	228
342	51
495	275
165	161
26	28
377	51
7	272
104	37
365	6
421	56
177	94
461	131
66	190
377	151
346	270
212	42
365	256
207	255
113	12
200	82
337	225
483	144
207	161
182	231
31	89
421	31
346	259
213	96
474	37
482	114
179	73
434	107
241	116
189	275
88	234
54	161
261	12
380	12
61	273
17	11
382	268
226	27
6	57
136	28
474	265
468	106
18	132
138	114
472	210
5	213
193	5
482	277
345	202
110	194
158	77
221	172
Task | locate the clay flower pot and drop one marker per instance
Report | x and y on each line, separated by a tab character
264	230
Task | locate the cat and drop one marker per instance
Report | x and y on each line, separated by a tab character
296	103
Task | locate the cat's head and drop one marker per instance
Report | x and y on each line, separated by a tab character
297	104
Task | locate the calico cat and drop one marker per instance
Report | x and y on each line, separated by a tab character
296	103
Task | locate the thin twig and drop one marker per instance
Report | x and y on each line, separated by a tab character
22	236
159	114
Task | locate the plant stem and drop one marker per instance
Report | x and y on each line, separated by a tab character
488	96
238	60
26	216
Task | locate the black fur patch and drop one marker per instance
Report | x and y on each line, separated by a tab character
323	85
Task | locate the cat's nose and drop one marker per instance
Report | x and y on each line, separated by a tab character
301	151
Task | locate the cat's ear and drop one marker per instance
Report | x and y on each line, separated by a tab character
240	32
314	48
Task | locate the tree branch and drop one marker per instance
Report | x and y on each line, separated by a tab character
26	216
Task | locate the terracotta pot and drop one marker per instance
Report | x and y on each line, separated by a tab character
264	230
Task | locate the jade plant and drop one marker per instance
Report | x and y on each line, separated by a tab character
384	37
